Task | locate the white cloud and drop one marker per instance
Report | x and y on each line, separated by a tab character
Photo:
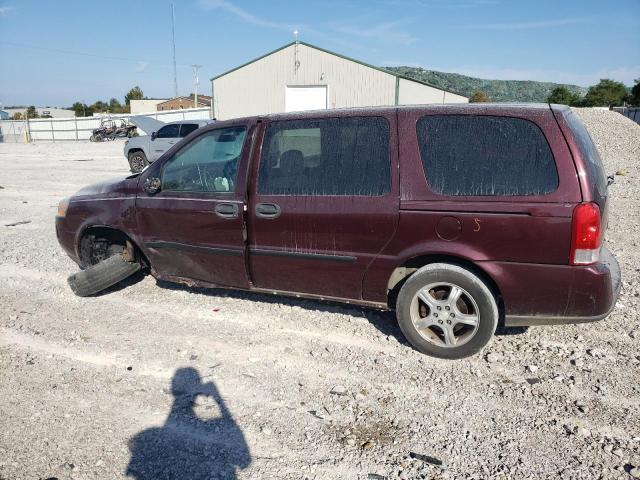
4	10
141	66
244	15
387	32
529	25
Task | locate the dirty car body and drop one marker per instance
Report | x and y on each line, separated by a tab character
247	204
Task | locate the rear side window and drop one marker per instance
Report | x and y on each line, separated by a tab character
485	156
330	156
169	131
187	128
589	152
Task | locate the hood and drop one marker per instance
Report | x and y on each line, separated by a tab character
147	124
117	187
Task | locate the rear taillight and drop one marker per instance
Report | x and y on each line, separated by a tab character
586	234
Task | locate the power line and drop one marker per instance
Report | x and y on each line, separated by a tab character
87	54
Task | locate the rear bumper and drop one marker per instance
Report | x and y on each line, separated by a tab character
557	294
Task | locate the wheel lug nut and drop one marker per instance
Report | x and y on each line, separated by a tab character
439	308
449	322
440	322
452	314
446	308
435	315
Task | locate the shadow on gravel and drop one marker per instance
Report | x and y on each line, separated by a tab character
187	446
383	320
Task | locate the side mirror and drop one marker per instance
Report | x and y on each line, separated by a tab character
152	185
154	135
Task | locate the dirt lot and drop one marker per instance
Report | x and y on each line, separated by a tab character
291	389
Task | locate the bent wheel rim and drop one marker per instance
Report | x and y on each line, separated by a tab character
445	314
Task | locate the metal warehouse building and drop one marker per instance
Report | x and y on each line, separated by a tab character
300	76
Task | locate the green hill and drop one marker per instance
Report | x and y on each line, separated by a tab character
497	90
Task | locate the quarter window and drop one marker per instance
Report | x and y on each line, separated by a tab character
485	156
207	164
332	156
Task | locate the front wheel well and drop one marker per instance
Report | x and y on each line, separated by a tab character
402	273
99	242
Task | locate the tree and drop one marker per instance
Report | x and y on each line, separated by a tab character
99	106
479	97
115	106
634	98
607	93
134	94
32	112
82	109
563	96
16	116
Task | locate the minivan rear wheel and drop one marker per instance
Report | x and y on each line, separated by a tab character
446	311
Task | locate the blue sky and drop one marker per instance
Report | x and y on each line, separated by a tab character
55	52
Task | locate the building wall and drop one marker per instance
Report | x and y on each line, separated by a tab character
145	106
259	88
178	103
417	93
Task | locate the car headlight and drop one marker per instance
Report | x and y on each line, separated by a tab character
62	207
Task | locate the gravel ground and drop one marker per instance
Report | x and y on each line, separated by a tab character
163	381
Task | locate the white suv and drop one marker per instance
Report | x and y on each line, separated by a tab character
145	149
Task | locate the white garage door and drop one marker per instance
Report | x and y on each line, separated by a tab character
305	98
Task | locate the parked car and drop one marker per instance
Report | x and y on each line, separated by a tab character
460	217
145	149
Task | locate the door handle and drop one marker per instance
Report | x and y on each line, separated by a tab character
267	210
227	210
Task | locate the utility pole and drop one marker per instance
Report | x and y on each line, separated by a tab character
173	41
196	82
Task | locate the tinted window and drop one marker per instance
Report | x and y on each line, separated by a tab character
483	155
208	164
168	131
332	156
187	128
589	152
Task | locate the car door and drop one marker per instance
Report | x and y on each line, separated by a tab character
164	139
193	226
323	202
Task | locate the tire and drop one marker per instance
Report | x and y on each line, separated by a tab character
137	161
102	275
446	311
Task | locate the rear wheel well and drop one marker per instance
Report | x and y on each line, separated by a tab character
99	242
402	273
134	150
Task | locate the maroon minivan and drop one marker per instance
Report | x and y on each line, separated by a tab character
461	217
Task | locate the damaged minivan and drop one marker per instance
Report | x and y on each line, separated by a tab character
460	217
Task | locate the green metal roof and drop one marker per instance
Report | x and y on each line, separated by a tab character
398	76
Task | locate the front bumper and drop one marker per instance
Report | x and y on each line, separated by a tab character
558	294
67	239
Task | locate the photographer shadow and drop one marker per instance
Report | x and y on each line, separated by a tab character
187	446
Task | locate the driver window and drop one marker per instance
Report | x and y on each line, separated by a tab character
208	164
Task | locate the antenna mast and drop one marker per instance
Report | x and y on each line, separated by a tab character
173	41
196	82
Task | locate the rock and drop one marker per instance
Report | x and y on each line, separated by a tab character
582	432
617	452
351	441
494	357
607	448
621	173
338	390
635	472
367	445
266	430
532	368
